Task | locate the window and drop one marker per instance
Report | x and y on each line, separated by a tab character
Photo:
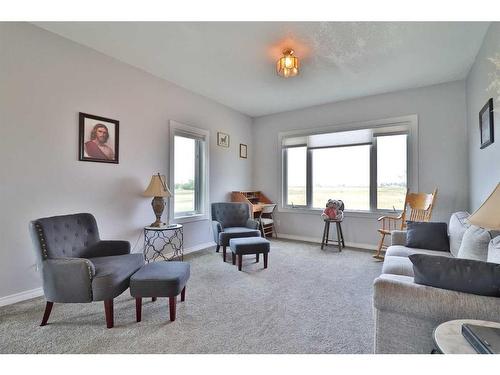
366	168
189	172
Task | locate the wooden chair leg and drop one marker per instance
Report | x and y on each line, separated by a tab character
341	234
265	260
327	223
217	249
108	309
224	254
380	245
233	258
257	258
48	309
240	261
183	294
324	236
339	240
171	304
138	309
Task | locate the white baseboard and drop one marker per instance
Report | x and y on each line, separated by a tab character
317	240
22	296
201	246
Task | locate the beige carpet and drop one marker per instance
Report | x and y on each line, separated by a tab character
307	301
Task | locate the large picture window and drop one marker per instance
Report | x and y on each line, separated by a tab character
189	172
366	168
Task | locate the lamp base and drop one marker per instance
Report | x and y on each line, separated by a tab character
158	204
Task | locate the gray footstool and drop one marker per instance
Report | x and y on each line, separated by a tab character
249	245
159	279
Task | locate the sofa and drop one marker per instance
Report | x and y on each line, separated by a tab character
406	313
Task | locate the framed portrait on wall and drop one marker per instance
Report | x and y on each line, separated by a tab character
243	151
98	139
486	125
222	139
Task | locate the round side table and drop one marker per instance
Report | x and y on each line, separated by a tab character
163	243
448	336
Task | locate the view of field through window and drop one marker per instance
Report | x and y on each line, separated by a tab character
184	170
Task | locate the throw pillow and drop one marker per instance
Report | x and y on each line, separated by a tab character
462	275
475	243
494	250
457	227
430	236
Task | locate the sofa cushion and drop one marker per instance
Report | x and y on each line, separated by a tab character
397	266
462	275
432	236
475	243
456	228
404	251
494	250
112	274
236	232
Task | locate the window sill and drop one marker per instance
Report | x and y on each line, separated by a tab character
347	213
189	219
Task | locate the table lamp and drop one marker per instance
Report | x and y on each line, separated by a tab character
488	215
157	189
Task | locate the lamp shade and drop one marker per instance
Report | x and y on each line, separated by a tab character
488	215
157	187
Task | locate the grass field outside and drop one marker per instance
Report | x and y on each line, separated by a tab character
354	198
184	200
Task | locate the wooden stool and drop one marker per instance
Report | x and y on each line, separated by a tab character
326	234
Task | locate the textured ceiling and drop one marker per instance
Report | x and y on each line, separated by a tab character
234	62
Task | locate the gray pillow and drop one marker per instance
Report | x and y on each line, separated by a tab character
457	227
462	275
430	236
475	243
494	250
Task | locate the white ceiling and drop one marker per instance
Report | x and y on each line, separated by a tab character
234	62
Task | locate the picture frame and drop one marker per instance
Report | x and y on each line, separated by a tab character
98	139
486	124
222	139
243	151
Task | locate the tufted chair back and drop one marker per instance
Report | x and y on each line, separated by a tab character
231	214
66	236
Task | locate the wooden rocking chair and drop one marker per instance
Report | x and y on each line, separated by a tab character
419	207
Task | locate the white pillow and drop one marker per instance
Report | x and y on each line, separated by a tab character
494	250
475	243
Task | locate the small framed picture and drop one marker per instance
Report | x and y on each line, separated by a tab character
222	139
98	139
486	124
243	151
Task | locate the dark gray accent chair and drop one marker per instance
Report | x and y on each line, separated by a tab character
232	220
77	266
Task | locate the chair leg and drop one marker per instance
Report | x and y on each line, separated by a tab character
265	260
324	236
183	294
224	254
233	258
380	245
240	261
171	304
108	309
339	240
341	234
327	232
138	309
257	258
48	309
217	249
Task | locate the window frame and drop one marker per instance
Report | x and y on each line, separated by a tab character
393	126
202	145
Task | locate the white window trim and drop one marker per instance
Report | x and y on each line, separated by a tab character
411	121
176	127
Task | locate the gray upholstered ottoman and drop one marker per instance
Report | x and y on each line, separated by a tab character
159	279
249	245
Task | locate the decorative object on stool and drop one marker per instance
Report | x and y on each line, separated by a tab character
334	210
160	279
488	215
249	246
333	213
486	126
158	189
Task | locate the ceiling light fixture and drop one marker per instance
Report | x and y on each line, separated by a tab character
288	65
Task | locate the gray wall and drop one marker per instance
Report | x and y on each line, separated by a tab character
442	141
45	80
484	165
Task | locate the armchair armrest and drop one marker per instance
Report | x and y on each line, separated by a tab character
217	228
108	248
68	279
400	294
398	237
251	223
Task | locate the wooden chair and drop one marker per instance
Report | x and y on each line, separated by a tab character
266	220
417	207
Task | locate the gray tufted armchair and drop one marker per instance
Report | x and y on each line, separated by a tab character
77	266
232	220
